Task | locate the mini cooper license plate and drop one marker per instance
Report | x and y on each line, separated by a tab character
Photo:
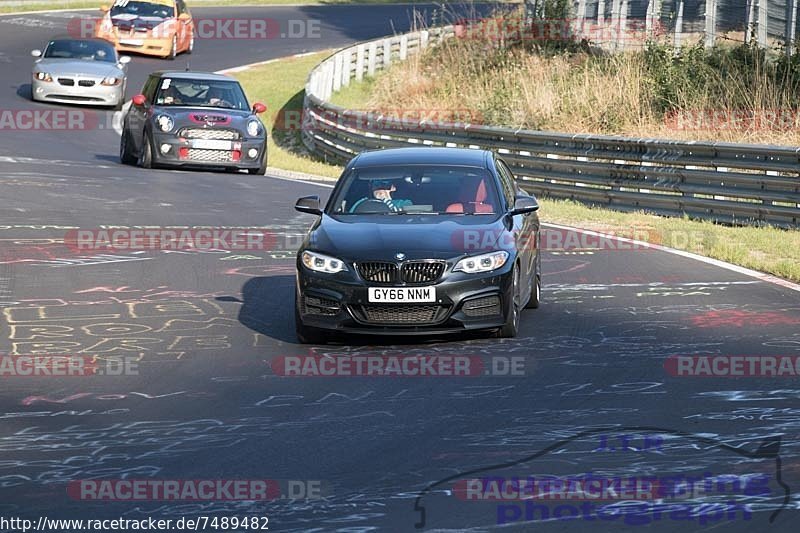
212	144
402	294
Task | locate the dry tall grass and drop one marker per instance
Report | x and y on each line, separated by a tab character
724	94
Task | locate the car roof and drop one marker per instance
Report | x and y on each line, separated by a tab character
191	75
423	156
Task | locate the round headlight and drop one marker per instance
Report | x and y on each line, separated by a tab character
165	122
43	76
253	128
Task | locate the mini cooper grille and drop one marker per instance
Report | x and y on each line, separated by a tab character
218	156
486	306
401	313
421	271
211	134
320	306
378	272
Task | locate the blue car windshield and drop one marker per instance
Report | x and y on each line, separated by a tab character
429	189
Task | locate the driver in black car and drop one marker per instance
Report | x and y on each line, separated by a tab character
381	192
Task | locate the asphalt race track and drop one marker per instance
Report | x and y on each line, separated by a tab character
203	327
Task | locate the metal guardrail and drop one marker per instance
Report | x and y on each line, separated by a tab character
725	182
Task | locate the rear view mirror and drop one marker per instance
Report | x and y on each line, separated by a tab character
36	53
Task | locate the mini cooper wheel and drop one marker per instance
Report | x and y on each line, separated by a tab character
125	156
146	155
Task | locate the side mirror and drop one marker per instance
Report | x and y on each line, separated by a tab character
308	204
36	53
104	8
139	100
124	60
258	108
524	205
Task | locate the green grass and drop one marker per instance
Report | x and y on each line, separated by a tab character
82	4
279	85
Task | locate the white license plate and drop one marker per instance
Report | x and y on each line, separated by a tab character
212	144
402	294
131	42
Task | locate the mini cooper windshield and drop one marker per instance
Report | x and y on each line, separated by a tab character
84	50
428	189
201	93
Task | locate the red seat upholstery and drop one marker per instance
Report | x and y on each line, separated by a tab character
473	197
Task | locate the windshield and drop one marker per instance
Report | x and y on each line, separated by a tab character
142	9
83	50
429	189
201	93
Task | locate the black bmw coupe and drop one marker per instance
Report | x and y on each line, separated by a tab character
417	241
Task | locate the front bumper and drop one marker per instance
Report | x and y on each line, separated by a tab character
464	303
136	44
100	95
170	150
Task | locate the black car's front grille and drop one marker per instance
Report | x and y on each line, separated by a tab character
320	306
486	306
407	314
378	271
413	272
421	271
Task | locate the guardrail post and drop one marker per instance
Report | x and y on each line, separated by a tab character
372	57
424	37
711	23
347	65
337	71
615	8
403	47
622	35
761	34
580	21
791	26
360	62
751	21
387	52
679	26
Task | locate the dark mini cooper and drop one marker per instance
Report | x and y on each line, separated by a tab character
194	119
419	241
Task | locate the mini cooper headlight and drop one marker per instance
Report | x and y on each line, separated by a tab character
42	76
165	122
322	263
482	263
253	128
111	80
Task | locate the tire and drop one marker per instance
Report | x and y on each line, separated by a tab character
191	44
125	156
259	171
174	50
513	313
305	334
146	155
536	290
